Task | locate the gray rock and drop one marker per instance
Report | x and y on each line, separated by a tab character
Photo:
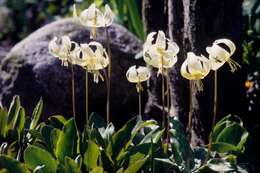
31	72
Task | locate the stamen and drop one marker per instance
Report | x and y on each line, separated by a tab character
233	65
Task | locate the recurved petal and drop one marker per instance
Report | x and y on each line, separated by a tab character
65	43
137	74
54	48
161	40
227	42
151	56
173	48
149	39
87	51
108	15
217	56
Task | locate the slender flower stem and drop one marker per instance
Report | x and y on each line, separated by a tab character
215	98
189	129
140	103
168	109
87	98
73	93
163	94
214	111
109	75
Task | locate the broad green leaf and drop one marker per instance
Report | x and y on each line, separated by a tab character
135	18
97	170
71	166
11	165
223	147
91	155
134	167
58	121
67	141
3	122
13	112
107	162
181	150
155	135
219	165
96	121
36	114
20	122
35	156
231	134
122	137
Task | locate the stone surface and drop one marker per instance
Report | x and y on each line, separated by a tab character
31	72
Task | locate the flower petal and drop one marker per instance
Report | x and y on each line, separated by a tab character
108	16
161	40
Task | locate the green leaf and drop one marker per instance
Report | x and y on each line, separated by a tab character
3	122
96	121
71	166
67	141
35	156
223	147
91	155
97	170
135	18
231	134
154	134
13	112
36	114
20	122
12	165
121	137
58	121
219	165
133	168
181	150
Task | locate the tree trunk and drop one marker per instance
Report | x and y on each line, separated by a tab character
195	24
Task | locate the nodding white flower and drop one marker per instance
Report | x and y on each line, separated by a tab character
137	75
195	68
93	17
64	49
93	57
160	52
218	55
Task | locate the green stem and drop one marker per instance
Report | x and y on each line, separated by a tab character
73	93
214	111
168	109
215	98
109	75
87	98
190	113
140	103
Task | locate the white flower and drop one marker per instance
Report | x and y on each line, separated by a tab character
93	57
137	75
218	55
195	68
64	49
160	54
94	18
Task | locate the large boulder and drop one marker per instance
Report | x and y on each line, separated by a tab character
30	71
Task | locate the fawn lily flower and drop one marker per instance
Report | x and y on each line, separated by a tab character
64	49
94	18
93	57
195	68
137	75
218	55
160	52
